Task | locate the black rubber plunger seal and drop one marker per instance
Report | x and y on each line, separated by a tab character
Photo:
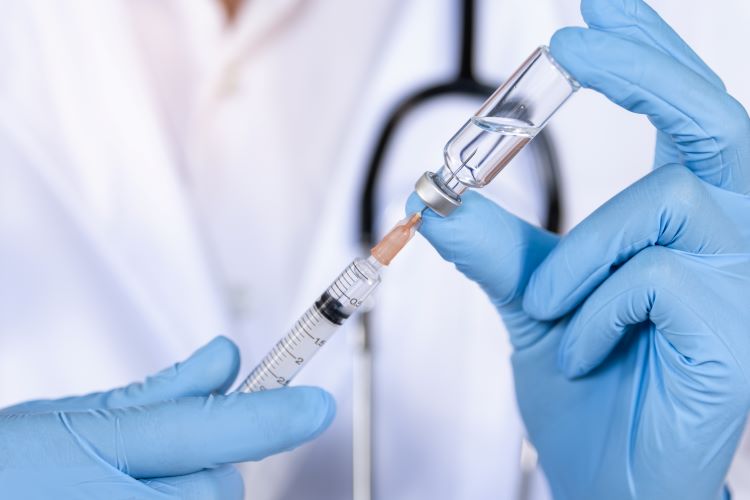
331	308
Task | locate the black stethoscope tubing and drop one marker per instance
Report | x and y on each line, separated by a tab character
467	84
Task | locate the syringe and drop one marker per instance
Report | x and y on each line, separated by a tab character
509	119
334	306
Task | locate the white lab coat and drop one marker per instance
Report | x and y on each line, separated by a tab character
105	270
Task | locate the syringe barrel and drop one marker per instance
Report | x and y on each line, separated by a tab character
508	120
291	353
315	327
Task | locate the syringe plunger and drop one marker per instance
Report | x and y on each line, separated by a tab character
334	306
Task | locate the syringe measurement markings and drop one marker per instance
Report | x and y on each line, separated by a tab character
274	358
268	369
285	344
283	350
276	363
350	281
300	331
294	336
311	330
340	291
273	375
277	352
343	294
337	288
282	344
307	324
349	277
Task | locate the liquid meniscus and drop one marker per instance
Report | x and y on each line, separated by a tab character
482	149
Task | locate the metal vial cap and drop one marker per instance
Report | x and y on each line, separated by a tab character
435	197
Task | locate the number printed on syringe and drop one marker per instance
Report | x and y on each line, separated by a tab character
334	306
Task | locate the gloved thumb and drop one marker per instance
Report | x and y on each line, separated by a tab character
494	248
171	438
210	369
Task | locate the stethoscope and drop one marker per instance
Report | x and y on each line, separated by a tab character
465	83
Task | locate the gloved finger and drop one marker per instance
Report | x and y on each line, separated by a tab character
649	287
636	20
669	207
707	126
665	152
188	435
210	369
495	249
221	483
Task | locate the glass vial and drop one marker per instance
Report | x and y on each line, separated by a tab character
500	129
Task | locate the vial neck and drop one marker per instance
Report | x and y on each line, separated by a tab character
448	181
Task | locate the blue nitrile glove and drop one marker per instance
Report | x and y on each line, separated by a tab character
169	437
643	305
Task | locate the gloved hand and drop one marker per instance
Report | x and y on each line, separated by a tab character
168	437
644	304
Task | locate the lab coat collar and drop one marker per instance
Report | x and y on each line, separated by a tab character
220	47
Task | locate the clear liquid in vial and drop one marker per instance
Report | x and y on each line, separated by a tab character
481	149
